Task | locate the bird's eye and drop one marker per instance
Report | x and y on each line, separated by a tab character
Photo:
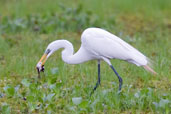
47	51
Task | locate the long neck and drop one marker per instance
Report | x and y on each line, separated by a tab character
67	53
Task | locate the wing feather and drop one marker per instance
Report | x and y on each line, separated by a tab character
102	43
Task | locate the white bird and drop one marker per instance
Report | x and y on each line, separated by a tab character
97	44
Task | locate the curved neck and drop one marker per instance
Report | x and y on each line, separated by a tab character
67	53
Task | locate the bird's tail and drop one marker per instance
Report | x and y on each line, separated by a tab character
148	68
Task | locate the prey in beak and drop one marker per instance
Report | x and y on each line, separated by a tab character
40	64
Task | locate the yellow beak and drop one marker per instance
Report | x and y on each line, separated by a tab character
43	59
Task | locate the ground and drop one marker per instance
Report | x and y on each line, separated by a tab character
28	26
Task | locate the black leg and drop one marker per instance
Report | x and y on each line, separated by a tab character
98	81
120	79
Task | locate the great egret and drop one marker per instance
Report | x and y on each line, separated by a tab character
97	44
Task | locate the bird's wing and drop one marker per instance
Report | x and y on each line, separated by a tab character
102	43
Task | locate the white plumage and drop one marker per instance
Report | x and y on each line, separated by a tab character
103	44
100	45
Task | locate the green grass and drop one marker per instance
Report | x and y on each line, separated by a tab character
27	27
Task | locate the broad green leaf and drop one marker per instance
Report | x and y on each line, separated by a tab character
25	82
1	95
49	112
156	104
52	86
52	80
77	100
163	102
54	70
5	109
32	106
17	88
33	88
137	94
49	96
72	108
9	90
83	104
30	98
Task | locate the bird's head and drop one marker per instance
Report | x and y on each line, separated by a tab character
40	64
52	47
